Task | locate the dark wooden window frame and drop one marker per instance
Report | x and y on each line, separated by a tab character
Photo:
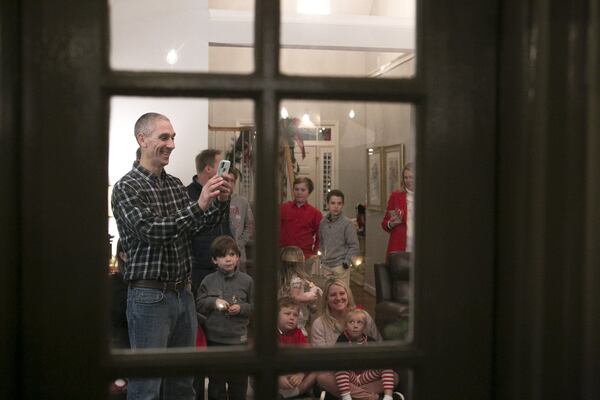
267	87
66	89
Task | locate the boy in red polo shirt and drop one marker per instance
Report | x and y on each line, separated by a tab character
288	334
299	221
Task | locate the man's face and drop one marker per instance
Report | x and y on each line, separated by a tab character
211	170
287	319
157	146
301	193
335	205
228	262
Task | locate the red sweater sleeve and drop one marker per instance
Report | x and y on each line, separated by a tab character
391	205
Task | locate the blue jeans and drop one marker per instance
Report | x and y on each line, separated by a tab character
161	319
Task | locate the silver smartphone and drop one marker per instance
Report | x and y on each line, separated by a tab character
223	167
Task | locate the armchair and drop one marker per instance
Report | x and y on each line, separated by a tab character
392	285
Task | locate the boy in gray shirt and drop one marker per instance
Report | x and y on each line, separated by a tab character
225	298
339	243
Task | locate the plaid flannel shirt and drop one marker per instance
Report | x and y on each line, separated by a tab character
156	221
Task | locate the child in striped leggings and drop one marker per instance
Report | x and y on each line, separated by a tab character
354	334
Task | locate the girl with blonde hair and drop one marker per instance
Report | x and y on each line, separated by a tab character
294	282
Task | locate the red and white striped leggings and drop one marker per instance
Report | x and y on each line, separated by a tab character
344	378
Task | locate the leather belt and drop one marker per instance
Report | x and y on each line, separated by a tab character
175	286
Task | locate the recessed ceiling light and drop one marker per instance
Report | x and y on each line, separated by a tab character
172	57
284	113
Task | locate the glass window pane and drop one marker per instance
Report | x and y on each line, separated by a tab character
167	246
346	178
348	38
182	35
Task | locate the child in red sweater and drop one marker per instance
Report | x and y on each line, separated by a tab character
288	334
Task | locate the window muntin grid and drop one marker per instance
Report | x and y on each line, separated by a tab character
266	86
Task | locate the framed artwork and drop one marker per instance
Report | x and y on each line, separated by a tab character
393	161
374	179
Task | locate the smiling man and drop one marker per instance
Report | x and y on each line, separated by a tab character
156	221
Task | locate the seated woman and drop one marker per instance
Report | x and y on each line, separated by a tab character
336	304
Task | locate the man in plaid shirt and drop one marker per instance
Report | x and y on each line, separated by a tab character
156	222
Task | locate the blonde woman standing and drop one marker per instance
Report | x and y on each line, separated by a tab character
398	218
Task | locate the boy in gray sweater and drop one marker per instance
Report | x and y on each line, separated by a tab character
225	298
339	243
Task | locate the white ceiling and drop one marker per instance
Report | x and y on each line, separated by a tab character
348	32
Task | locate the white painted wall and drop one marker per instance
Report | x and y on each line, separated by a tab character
190	121
143	31
387	124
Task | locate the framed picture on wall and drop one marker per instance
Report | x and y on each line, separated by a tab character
393	161
374	179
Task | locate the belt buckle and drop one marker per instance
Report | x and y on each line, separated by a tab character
179	285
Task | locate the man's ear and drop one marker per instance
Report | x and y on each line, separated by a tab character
214	260
140	139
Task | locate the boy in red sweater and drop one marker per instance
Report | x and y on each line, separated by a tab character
288	334
299	221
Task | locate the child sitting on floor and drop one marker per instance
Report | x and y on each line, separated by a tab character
295	283
288	334
354	334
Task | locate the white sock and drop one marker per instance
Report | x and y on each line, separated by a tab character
387	397
347	396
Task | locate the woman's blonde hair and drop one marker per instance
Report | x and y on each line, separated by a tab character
328	319
407	167
292	263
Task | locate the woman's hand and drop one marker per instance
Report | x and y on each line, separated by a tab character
396	218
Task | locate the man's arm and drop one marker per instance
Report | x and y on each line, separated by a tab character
216	187
214	201
131	209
